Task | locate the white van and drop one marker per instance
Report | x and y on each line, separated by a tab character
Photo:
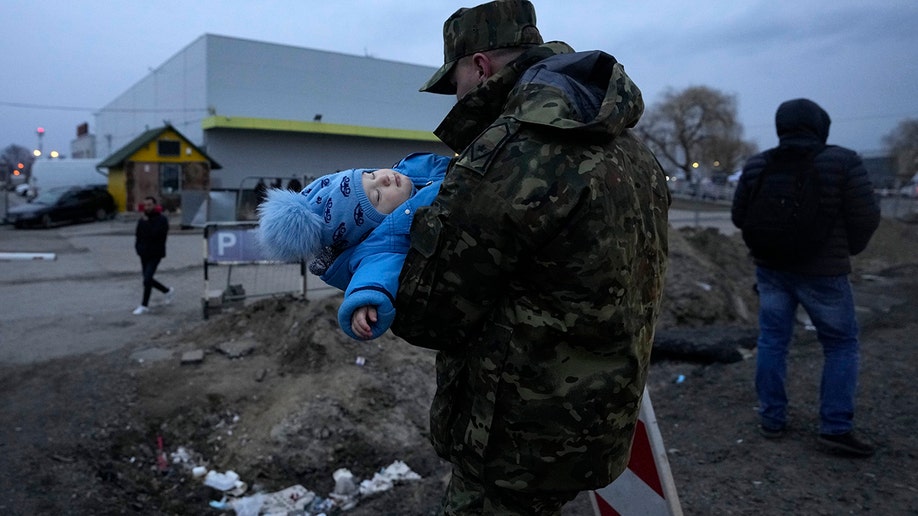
50	173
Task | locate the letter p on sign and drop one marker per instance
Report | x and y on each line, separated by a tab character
225	240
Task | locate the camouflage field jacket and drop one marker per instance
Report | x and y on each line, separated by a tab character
538	273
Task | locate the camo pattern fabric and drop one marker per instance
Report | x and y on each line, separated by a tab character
489	26
538	274
493	25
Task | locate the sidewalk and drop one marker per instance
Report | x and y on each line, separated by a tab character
94	249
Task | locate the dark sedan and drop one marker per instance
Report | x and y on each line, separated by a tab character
63	205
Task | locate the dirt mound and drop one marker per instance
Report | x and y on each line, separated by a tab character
304	402
708	281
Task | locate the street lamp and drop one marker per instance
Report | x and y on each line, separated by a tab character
41	132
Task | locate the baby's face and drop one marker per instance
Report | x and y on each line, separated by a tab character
386	189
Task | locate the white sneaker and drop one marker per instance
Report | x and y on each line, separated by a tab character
140	310
169	296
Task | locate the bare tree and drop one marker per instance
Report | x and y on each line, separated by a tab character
696	129
10	160
902	145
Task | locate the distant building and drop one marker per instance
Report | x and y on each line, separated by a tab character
161	163
84	146
276	111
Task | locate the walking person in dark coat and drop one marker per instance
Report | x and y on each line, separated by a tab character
150	244
818	282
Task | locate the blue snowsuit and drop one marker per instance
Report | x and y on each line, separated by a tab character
368	272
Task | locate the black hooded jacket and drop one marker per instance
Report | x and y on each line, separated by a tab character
150	237
803	127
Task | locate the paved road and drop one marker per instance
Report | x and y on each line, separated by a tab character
82	300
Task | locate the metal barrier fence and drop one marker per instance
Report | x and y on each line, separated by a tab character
235	269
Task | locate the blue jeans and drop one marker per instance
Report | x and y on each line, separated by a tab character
830	305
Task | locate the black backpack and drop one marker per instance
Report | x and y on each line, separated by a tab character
786	222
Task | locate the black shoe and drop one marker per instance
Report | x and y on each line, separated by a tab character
847	443
771	433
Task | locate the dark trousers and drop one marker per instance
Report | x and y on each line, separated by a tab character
149	269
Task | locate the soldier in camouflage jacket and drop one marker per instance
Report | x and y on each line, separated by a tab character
538	271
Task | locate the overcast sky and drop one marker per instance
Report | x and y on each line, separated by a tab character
65	59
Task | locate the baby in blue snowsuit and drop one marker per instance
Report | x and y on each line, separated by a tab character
353	226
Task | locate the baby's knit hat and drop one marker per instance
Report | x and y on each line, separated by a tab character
333	212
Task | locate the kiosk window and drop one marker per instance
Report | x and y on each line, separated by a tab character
170	178
169	147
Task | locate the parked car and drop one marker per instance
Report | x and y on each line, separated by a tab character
64	205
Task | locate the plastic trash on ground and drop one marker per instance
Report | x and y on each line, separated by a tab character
396	472
249	506
290	499
299	500
227	482
345	493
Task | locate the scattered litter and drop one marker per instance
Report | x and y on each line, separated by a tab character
360	361
222	481
161	461
220	505
345	493
679	379
181	456
344	482
293	498
396	472
248	506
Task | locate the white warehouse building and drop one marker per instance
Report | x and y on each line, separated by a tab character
277	111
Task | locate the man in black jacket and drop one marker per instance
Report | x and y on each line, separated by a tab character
818	282
150	244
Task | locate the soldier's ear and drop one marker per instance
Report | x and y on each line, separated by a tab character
484	66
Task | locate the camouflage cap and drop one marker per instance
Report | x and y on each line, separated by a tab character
498	24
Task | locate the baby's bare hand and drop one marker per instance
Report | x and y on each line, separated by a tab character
362	321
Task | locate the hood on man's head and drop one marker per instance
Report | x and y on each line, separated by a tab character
802	118
498	24
331	212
